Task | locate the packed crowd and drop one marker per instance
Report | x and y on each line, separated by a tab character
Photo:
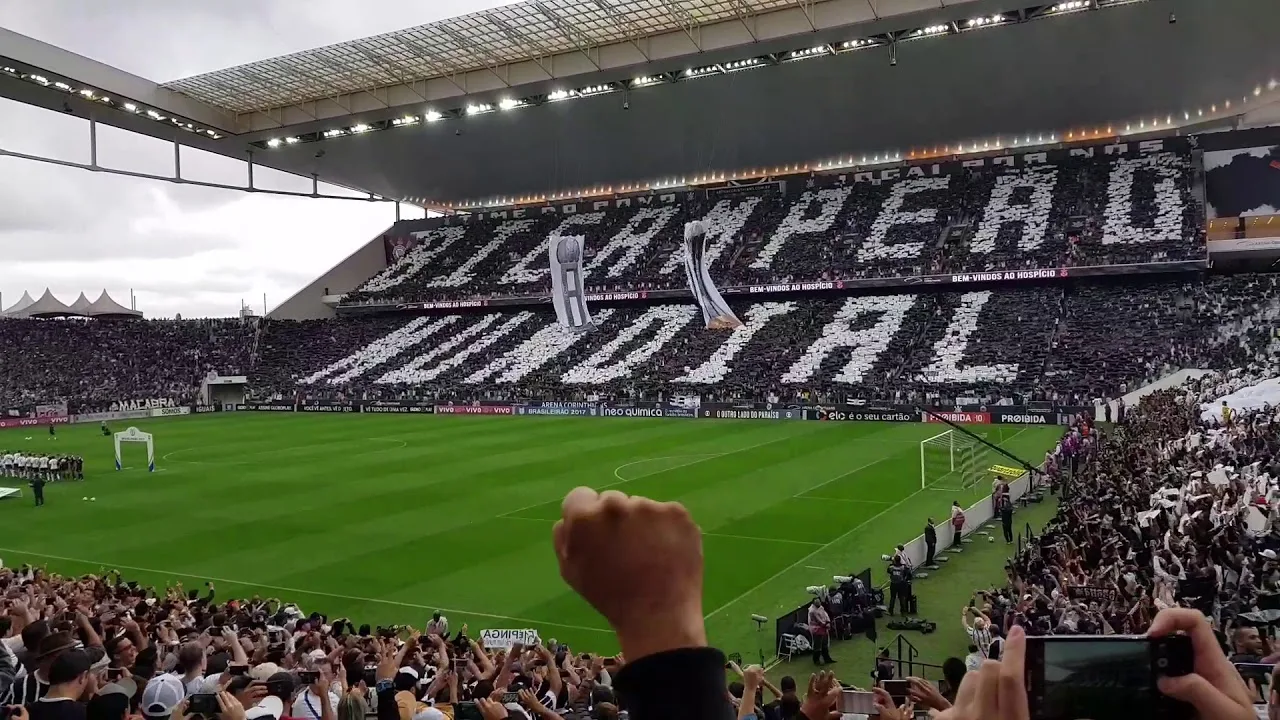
94	363
1068	346
110	648
1094	211
1175	507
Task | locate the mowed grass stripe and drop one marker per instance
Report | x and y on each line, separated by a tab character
383	535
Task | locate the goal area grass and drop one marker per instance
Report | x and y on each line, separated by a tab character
386	518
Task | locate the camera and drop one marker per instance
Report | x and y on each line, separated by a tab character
203	704
626	105
1173	19
1105	677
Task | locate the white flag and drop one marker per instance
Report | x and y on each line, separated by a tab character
715	311
567	293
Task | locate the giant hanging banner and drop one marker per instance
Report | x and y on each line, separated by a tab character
567	293
715	311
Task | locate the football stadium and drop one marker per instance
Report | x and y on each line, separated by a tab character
898	310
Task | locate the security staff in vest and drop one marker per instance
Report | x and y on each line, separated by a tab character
930	542
899	585
37	489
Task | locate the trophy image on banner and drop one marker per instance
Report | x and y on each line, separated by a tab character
567	293
715	311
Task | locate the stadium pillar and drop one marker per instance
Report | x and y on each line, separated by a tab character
249	164
177	161
93	143
397	211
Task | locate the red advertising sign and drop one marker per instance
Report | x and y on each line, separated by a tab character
32	422
961	418
475	410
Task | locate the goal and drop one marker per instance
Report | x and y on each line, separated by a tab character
951	461
134	435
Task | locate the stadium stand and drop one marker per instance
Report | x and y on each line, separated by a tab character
1066	344
1094	211
91	364
1034	344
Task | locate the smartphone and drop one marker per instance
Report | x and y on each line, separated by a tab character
467	710
237	670
114	673
898	690
459	664
510	697
1105	677
308	677
203	704
858	702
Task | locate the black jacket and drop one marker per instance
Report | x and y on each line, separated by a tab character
930	535
687	684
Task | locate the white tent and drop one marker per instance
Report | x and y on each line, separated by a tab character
104	305
46	306
81	305
23	303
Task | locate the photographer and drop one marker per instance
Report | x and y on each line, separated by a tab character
900	585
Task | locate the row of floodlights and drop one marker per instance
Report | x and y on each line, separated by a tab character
1028	141
558	95
99	97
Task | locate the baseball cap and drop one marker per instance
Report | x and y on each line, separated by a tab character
162	695
1268	554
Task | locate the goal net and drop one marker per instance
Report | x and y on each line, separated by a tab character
951	461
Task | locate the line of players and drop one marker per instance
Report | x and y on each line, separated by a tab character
29	466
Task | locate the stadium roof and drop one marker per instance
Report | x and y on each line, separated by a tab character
533	32
664	93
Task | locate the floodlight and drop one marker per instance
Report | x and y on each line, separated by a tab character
508	103
558	95
433	116
360	128
273	142
131	107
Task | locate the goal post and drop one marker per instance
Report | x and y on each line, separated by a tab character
134	435
949	460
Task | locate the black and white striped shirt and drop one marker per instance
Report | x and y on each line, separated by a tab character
27	689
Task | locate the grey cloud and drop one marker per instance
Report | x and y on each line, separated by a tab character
60	224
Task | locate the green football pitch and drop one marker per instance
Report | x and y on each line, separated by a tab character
384	518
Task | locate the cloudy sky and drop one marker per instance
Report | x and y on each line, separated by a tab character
194	251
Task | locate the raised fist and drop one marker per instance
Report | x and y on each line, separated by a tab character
639	563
